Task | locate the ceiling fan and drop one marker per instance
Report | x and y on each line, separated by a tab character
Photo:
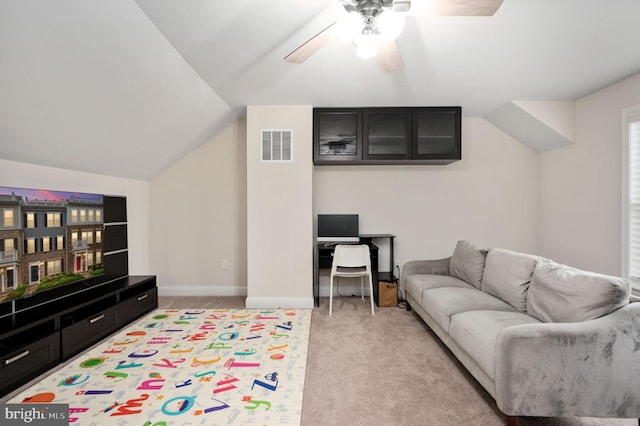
370	23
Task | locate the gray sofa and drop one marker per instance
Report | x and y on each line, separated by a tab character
542	338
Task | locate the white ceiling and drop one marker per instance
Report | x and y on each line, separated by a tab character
126	88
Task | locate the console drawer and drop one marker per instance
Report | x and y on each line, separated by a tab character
87	332
136	306
29	361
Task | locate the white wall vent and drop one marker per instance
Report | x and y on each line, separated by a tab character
277	145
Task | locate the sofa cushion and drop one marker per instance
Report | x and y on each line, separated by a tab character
467	263
445	302
415	285
507	275
476	332
560	293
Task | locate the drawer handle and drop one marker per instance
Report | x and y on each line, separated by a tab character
96	319
144	296
15	358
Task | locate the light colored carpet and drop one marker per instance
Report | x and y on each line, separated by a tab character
390	369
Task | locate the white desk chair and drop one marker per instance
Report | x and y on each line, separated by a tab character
351	261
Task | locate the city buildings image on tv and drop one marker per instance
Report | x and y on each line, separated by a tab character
47	239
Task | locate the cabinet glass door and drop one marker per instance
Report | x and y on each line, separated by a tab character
387	133
337	135
436	133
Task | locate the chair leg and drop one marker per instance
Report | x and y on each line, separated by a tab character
361	287
371	293
331	295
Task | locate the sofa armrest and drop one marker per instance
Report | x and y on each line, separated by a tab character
588	368
430	267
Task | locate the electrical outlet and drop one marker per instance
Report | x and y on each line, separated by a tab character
225	263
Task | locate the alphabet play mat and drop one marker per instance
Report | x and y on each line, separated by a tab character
188	367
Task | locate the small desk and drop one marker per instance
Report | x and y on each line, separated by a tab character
383	276
324	259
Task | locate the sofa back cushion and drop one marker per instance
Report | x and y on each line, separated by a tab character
507	275
559	293
467	263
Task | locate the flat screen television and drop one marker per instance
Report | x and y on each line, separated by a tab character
338	228
54	241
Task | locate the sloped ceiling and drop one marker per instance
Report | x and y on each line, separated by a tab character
126	88
526	122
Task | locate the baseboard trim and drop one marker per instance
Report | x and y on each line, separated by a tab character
279	302
251	302
178	290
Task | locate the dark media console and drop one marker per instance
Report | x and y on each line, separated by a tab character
55	233
38	338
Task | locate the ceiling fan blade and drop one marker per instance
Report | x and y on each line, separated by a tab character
465	7
309	47
389	57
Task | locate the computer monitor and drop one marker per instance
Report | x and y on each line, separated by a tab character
338	228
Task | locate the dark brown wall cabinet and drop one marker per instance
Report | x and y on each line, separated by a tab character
424	135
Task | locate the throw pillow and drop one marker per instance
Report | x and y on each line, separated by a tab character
467	263
507	275
559	293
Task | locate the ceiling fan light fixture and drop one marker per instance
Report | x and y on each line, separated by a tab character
390	24
367	44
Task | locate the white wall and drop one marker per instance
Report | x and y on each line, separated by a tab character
22	175
489	197
580	185
279	212
198	219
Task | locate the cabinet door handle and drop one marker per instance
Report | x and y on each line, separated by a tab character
96	319
144	296
15	358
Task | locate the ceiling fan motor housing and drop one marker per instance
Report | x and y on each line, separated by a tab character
369	10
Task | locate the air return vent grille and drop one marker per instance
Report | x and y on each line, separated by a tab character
277	145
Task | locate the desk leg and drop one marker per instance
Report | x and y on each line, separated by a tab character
392	266
316	279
